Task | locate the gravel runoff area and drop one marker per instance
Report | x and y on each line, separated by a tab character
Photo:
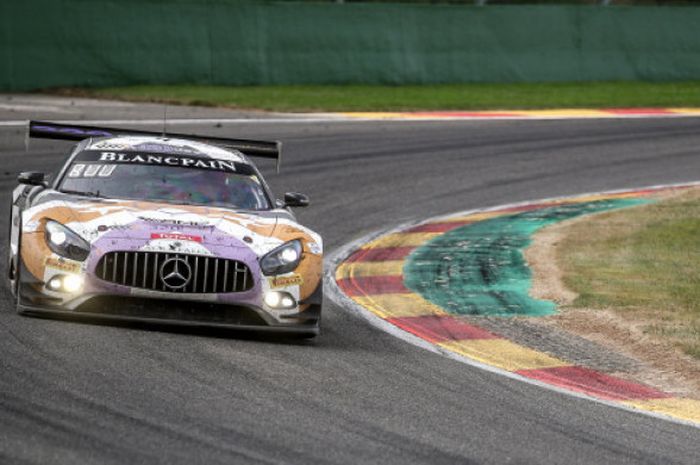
642	328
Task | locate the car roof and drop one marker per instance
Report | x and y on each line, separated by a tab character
166	146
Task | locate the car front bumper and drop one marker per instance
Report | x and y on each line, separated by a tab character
302	324
111	303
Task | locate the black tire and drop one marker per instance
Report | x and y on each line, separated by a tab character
9	248
14	290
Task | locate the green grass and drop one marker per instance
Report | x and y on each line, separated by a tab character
406	98
644	264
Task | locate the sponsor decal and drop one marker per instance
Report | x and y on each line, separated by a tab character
194	250
286	281
107	227
107	145
166	148
169	160
62	264
222	163
176	237
170	221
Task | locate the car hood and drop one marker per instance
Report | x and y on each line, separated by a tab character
160	225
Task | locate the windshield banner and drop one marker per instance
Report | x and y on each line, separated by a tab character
160	159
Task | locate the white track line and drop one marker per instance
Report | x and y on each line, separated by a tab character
181	121
336	257
295	118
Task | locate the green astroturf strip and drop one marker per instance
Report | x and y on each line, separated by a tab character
416	97
479	269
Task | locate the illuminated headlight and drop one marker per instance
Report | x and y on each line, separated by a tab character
70	283
65	242
283	259
55	283
280	300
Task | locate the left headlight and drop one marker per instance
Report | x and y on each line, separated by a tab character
283	259
65	242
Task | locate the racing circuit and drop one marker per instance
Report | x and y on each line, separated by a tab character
77	393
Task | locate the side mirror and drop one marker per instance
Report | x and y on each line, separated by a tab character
32	178
295	199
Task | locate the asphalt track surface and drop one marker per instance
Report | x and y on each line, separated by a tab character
78	393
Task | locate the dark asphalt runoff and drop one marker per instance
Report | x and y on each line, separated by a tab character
81	394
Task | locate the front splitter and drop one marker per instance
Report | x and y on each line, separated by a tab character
310	330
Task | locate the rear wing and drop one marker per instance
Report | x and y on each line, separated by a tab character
251	148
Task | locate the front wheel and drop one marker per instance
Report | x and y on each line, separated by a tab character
13	270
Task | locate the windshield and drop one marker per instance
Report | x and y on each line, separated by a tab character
174	184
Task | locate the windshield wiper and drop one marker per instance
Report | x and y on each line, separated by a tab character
86	194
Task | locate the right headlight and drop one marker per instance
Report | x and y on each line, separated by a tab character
64	242
283	259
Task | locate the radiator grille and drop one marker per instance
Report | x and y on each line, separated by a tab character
187	273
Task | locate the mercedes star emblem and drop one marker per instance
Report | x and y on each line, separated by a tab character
175	273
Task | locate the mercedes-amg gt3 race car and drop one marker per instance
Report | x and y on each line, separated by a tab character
175	229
